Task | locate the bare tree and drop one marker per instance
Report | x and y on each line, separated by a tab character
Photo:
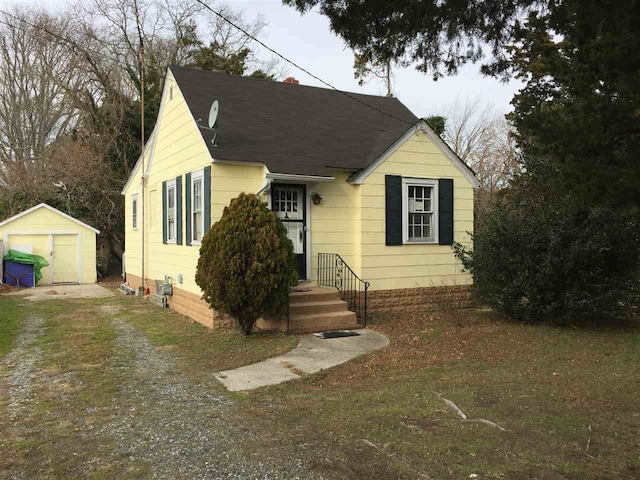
365	70
70	98
37	83
485	141
171	29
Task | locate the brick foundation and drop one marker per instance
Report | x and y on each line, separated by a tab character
419	300
189	304
402	300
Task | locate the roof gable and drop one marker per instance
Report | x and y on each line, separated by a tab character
50	208
292	129
360	176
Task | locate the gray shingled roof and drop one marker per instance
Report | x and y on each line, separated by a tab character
293	129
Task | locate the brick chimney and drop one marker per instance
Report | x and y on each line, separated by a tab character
291	80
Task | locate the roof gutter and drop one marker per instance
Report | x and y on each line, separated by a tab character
298	178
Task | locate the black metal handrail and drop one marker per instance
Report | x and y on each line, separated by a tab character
333	271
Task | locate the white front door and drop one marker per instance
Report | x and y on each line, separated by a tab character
288	203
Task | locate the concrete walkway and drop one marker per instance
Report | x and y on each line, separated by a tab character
61	292
310	356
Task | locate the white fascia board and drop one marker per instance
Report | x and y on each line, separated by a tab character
50	208
150	145
193	119
298	178
133	174
237	162
421	126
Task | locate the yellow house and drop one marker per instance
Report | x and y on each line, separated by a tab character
68	244
367	191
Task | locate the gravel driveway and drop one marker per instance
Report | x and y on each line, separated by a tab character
159	418
179	428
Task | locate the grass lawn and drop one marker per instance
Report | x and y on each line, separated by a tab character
202	351
74	385
10	315
568	398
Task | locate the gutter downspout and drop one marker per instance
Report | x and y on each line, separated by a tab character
266	184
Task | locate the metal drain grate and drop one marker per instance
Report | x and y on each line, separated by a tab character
336	334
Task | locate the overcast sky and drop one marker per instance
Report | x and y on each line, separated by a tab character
307	40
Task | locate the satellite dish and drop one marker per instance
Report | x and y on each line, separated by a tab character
213	113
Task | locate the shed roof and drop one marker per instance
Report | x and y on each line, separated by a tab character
50	208
292	128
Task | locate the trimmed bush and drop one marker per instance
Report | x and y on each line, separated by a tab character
540	257
247	266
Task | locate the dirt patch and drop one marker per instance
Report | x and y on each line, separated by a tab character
110	309
7	289
538	473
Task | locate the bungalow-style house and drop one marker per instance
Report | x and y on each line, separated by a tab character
366	190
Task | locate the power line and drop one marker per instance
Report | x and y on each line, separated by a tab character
252	37
75	48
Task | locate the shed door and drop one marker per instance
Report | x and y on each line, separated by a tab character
65	259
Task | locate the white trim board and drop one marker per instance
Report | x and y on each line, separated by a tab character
151	142
420	126
237	162
435	207
50	208
290	177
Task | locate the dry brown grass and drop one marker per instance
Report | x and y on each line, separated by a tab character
569	398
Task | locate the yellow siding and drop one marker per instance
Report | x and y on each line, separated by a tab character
133	238
37	226
350	220
335	223
228	181
179	149
410	266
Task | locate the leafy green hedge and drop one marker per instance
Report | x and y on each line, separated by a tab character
541	257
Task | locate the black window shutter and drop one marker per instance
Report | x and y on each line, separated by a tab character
445	211
179	210
164	212
393	209
187	208
207	199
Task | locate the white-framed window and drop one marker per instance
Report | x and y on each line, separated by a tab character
419	210
134	211
171	211
197	207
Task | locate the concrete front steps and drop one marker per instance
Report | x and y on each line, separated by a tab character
318	310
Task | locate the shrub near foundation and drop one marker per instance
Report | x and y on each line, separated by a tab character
545	257
246	266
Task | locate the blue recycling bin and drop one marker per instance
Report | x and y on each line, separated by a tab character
19	275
